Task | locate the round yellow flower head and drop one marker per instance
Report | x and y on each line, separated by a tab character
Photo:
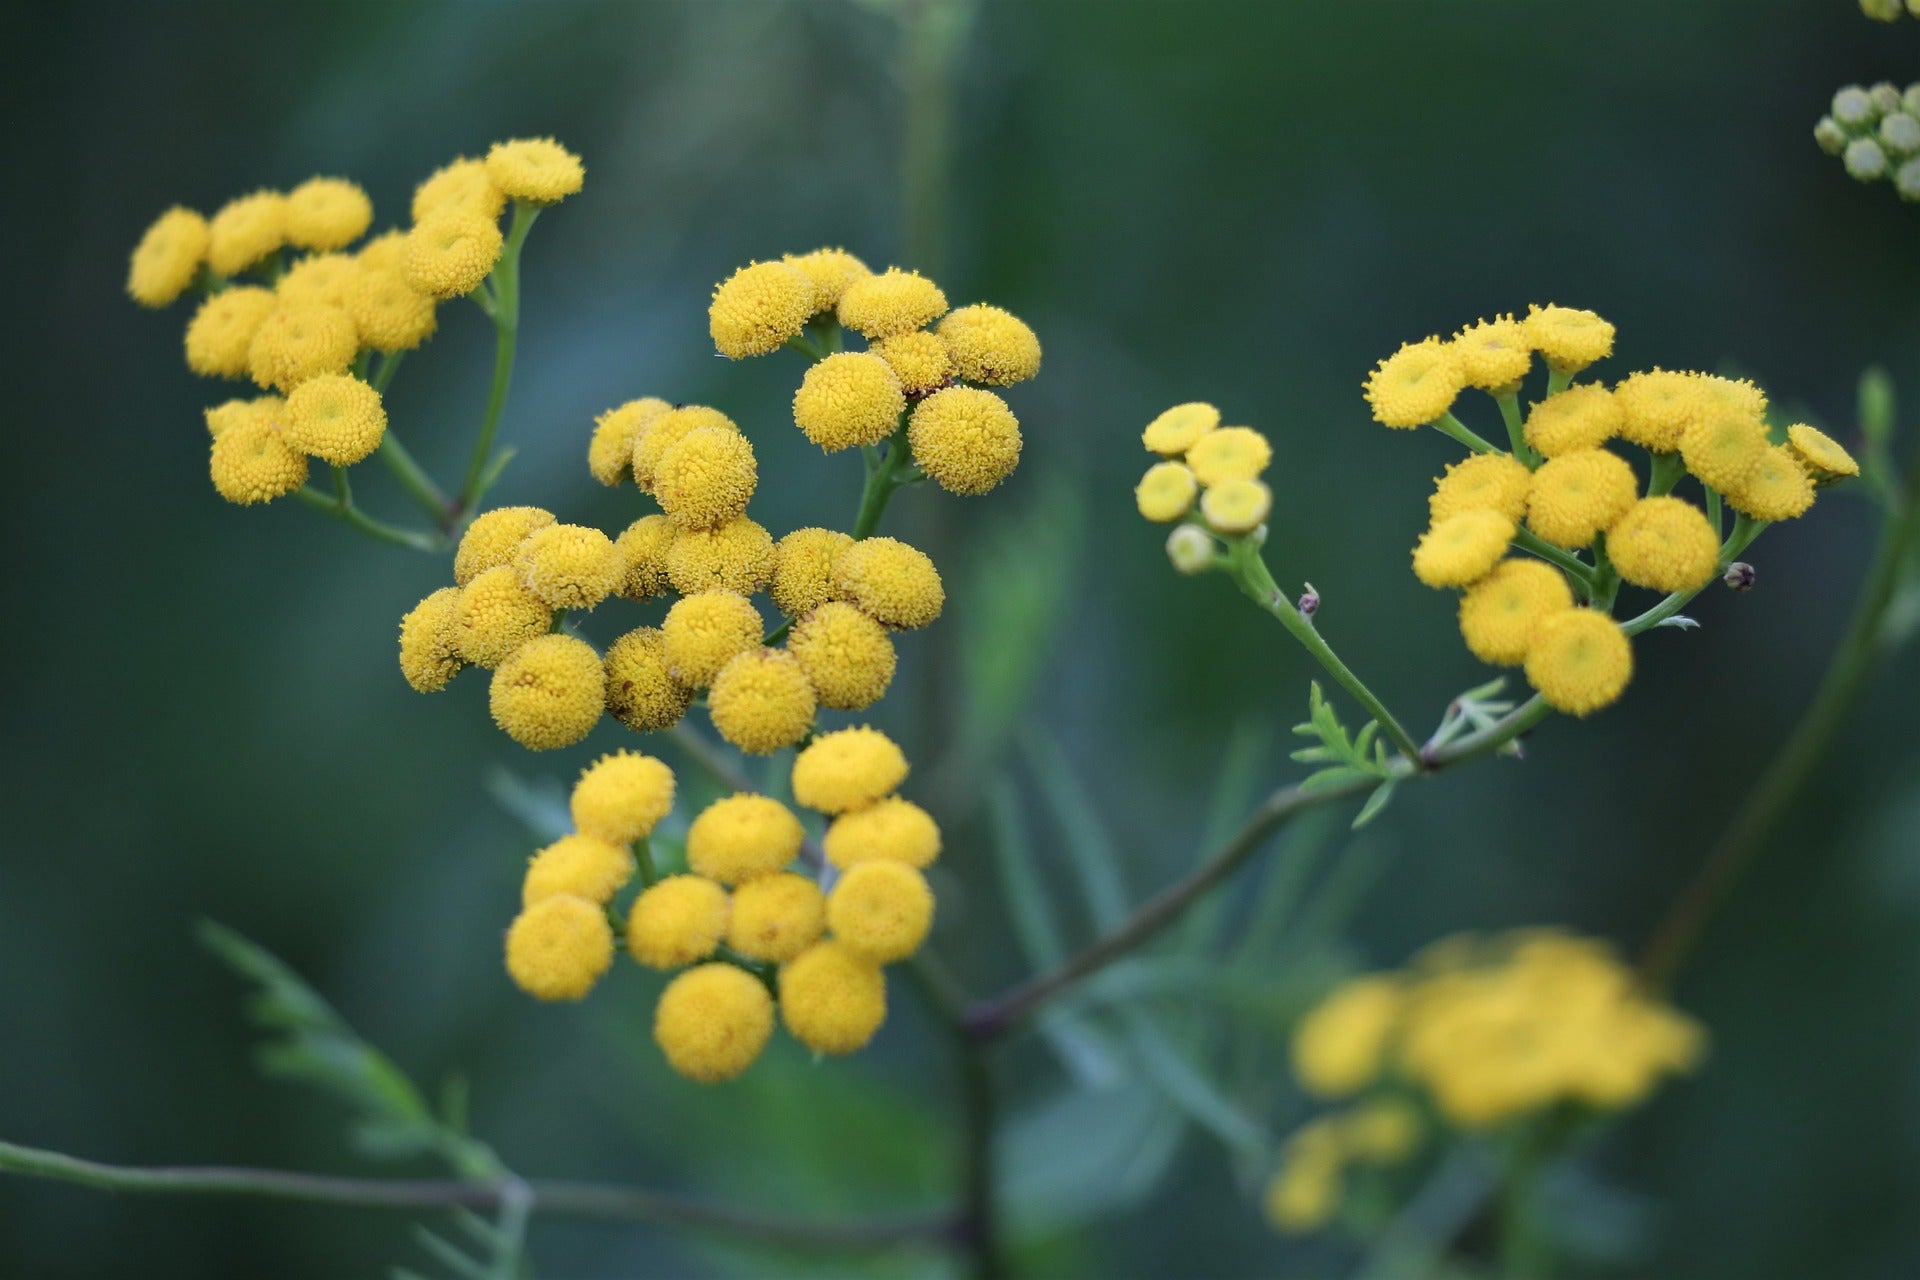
558	947
1341	1044
296	343
582	866
704	631
569	566
322	279
919	359
761	701
881	909
1483	482
1722	445
706	479
847	656
1236	506
496	615
776	917
221	331
1382	1131
1178	429
1462	549
621	797
803	570
168	258
327	213
742	837
1578	495
450	251
1501	612
252	462
1166	492
389	314
642	548
830	271
677	921
385	252
1656	407
891	830
847	769
1822	456
610	452
244	231
535	170
1776	488
1306	1191
231	413
1229	453
462	185
850	398
891	582
736	556
1665	544
1494	354
493	537
1583	417
429	642
893	302
1568	338
990	346
549	692
832	998
640	693
1580	661
336	418
758	308
664	430
1734	394
712	1022
967	440
1415	385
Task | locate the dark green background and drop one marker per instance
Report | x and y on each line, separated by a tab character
1246	202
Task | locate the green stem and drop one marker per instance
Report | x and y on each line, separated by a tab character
643	858
1664	474
1509	402
1557	381
415	539
414	479
883	479
1576	568
1713	510
1447	424
1525	1250
1745	530
506	324
384	371
1606	579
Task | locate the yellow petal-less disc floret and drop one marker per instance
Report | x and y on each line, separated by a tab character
1229	453
621	797
1178	429
706	479
327	213
1665	544
1657	406
891	582
1580	661
803	570
742	837
1583	417
664	430
712	1022
388	313
232	413
569	566
493	537
336	418
1721	445
919	359
1341	1044
1823	457
535	170
966	439
1494	355
758	308
892	302
831	271
761	701
1484	482
776	917
429	642
1236	506
295	343
1462	549
1166	492
848	769
461	185
990	346
642	547
1777	487
1737	395
881	909
1578	495
610	452
832	999
496	615
736	556
246	230
252	462
677	921
1415	385
559	947
324	279
1305	1191
384	252
640	692
1501	612
168	258
892	830
1568	338
583	866
705	631
549	692
450	251
850	398
847	656
221	331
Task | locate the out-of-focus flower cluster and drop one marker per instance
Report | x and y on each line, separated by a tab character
1876	133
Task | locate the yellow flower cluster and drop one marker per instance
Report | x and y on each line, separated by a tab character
1204	464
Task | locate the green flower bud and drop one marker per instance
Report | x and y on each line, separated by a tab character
1910	100
1900	134
1906	180
1885	97
1190	549
1865	160
1876	407
1831	137
1854	109
1881	10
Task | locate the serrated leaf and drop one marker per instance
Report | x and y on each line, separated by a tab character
1382	795
1336	776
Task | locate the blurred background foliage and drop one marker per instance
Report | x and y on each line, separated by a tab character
1244	202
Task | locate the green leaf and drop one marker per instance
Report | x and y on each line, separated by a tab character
1203	1102
1089	847
539	806
1376	802
1083	1155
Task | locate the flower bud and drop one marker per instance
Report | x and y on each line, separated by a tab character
1906	180
1885	97
1831	138
1876	407
1865	160
1881	10
1309	601
1853	109
1910	100
1739	576
1190	549
1899	134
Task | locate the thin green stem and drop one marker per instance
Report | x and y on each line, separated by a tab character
1525	1250
883	480
643	858
1665	472
1606	579
506	324
1509	402
1576	568
414	539
1447	424
414	479
1557	381
1745	530
384	371
1713	510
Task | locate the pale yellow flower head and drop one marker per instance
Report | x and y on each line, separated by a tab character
429	645
1340	1046
1500	613
712	1022
803	570
642	548
1569	339
706	479
847	769
892	302
246	231
1482	482
558	948
776	917
891	582
1583	417
641	694
1178	429
1823	457
1723	444
569	566
610	452
450	251
1494	355
1462	549
881	909
168	258
1236	506
736	556
919	360
743	837
535	170
830	271
1579	661
1579	495
222	329
549	692
1166	492
847	656
388	313
1415	385
705	631
967	440
583	866
327	213
1776	487
850	398
832	999
252	462
336	418
761	701
295	343
621	797
662	431
677	921
990	346
1664	544
496	615
893	829
758	308
461	185
493	537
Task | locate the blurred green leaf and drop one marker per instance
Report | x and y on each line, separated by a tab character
539	805
1095	861
1084	1154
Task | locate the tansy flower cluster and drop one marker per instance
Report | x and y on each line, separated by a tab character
1876	133
1205	468
1476	1033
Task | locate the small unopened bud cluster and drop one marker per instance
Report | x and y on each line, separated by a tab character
1208	481
1876	133
1889	10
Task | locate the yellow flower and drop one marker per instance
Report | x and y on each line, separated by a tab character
221	331
1583	417
493	537
1340	1045
549	692
891	582
1494	355
642	549
742	837
296	343
1415	385
847	769
389	314
1236	506
832	999
535	170
736	556
569	566
847	656
168	258
830	271
758	308
881	909
327	213
1229	453
850	398
712	1022
803	570
677	921
1499	615
990	346
252	462
1381	1131
967	440
1722	446
892	829
893	302
761	701
429	649
244	231
231	413
1178	429
610	453
704	631
450	251
1736	395
1657	407
706	479
1569	339
1580	661
665	430
1822	456
776	917
385	252
1665	544
462	184
1166	492
558	948
1462	549
621	797
640	693
1483	482
1305	1194
582	866
1578	495
319	279
496	615
1776	488
336	418
919	359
